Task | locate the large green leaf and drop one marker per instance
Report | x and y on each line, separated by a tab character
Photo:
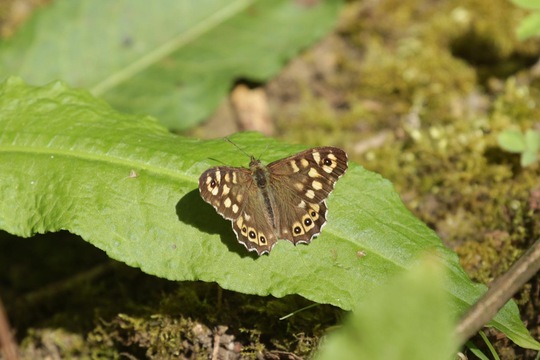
123	183
156	57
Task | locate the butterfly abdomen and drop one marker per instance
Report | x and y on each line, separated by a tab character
262	178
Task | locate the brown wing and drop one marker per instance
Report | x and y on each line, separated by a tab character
235	196
300	186
224	188
253	228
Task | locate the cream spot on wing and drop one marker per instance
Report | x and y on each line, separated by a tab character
214	191
252	235
235	208
227	177
317	185
248	217
332	156
243	228
294	166
218	176
234	180
302	204
310	194
227	202
313	173
313	214
316	157
304	163
308	223
239	197
298	229
329	169
299	186
226	189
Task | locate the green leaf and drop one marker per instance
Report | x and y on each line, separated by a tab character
489	345
126	185
532	143
528	157
392	323
156	57
528	4
529	27
512	141
532	140
476	351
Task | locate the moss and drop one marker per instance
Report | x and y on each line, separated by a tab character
459	183
117	312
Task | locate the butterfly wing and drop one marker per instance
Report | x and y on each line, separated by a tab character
286	199
300	185
224	187
235	196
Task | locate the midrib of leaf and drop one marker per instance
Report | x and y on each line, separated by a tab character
105	159
169	47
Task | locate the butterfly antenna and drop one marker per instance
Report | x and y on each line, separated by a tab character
266	148
238	147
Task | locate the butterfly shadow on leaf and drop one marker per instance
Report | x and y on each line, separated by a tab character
192	210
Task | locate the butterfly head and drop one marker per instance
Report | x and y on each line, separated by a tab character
254	163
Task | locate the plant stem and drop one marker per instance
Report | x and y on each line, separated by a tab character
500	291
7	344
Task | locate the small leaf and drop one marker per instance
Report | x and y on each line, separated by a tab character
476	351
527	4
532	140
391	323
528	157
529	27
512	141
129	187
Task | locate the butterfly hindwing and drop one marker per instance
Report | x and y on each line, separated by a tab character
256	233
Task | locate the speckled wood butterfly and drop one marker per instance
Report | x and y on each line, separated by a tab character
285	199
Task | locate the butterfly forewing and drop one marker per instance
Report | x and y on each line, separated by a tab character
311	174
226	188
305	180
286	199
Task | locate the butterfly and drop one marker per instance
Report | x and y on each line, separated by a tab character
285	199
